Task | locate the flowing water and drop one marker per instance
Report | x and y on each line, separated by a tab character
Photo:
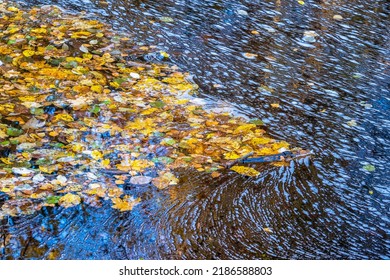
333	91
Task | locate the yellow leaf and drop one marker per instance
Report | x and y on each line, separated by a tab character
106	163
231	155
28	53
69	200
12	9
48	169
149	111
275	105
265	151
248	171
245	128
63	117
6	160
135	165
39	30
80	34
27	98
279	145
125	204
97	88
164	180
96	155
260	141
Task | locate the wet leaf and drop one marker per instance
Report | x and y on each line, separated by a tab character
53	199
127	203
69	200
11	131
22	171
165	179
248	171
369	167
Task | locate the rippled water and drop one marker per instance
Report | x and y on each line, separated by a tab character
328	208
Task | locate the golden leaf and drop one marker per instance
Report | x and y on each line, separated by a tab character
96	155
245	128
164	180
69	200
231	155
248	171
28	53
63	117
125	204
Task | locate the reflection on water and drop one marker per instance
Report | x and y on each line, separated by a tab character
334	95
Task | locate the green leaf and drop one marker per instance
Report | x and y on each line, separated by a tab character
57	145
256	121
166	160
5	143
369	167
14	141
157	104
37	111
119	81
11	131
168	141
53	199
95	109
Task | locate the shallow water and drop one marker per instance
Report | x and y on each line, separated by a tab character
325	208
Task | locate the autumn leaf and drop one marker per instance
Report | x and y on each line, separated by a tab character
126	203
69	200
248	171
165	179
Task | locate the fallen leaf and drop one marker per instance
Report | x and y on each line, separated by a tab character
125	204
248	171
69	200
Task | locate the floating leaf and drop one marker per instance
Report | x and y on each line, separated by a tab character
165	179
248	171
69	200
125	204
53	199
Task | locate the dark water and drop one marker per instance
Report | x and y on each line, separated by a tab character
328	208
